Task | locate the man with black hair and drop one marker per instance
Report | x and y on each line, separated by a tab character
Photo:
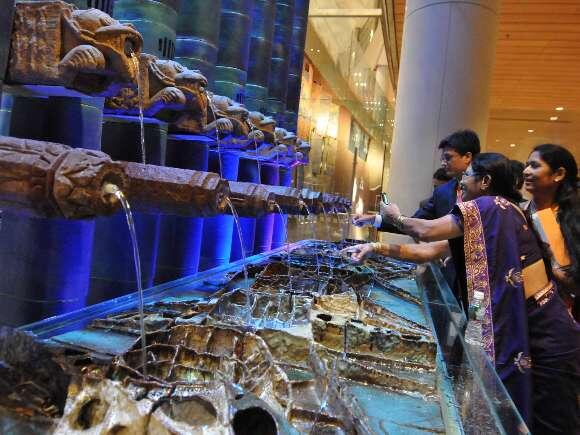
457	151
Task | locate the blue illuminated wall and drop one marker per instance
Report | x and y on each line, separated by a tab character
218	231
249	172
180	237
265	224
113	271
46	262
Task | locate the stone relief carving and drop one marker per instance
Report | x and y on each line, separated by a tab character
169	91
53	43
53	180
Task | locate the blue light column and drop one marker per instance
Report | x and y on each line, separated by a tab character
198	29
180	237
295	67
263	15
248	171
46	262
265	224
278	82
156	20
218	231
234	48
104	5
279	233
113	273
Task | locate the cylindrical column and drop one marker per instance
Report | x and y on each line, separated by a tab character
454	95
281	221
46	262
113	273
248	172
198	32
180	237
278	83
296	62
155	19
265	224
263	15
232	65
104	5
218	231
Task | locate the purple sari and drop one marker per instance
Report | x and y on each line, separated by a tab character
517	334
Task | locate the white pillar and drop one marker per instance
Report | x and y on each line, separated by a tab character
444	85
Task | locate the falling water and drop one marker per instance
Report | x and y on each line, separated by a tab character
112	189
243	249
135	60
333	371
257	159
313	227
348	221
287	242
217	136
328	234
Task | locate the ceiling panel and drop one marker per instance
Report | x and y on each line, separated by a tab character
537	69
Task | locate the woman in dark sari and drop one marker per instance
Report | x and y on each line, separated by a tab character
514	311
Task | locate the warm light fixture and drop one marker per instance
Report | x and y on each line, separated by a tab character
497	140
530	131
559	108
553	118
512	145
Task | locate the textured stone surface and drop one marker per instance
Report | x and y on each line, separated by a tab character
165	190
53	180
169	91
53	43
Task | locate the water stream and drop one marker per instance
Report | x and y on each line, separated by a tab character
328	234
287	243
254	129
135	61
313	228
331	378
217	136
112	189
247	292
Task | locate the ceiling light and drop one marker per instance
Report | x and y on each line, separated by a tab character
530	131
512	145
497	140
559	108
553	118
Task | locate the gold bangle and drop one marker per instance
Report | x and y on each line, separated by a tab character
376	246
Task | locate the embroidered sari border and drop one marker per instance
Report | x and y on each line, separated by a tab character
476	268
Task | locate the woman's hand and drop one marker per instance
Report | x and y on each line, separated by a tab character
359	252
360	220
390	212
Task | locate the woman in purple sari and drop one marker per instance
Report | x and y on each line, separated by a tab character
514	311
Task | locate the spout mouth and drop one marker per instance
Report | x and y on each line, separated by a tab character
109	192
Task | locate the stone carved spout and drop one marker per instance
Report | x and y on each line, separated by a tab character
250	199
169	91
312	199
163	190
53	43
288	198
51	180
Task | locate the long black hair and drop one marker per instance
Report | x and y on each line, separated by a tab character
567	199
499	168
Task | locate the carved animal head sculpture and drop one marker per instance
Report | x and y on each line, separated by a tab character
178	95
55	44
169	91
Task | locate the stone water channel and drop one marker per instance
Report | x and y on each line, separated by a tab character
347	350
